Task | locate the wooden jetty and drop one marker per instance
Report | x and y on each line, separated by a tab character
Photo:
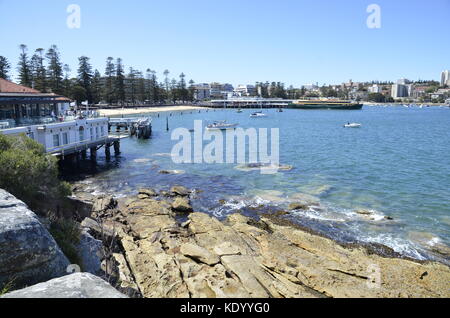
137	126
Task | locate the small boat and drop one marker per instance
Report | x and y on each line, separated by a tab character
239	111
352	125
257	115
280	110
221	125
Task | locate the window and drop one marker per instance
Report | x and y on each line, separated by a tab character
56	141
81	134
96	133
92	133
103	131
65	138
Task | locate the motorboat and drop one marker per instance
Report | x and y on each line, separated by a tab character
352	125
239	111
221	125
258	115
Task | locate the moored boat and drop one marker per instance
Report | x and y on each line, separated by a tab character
221	125
326	104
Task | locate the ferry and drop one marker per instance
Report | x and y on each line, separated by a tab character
325	104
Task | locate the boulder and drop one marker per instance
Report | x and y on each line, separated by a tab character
79	285
180	191
199	254
28	253
182	204
90	251
144	193
104	203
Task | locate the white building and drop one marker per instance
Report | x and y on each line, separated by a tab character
66	136
445	78
399	91
245	90
375	89
202	91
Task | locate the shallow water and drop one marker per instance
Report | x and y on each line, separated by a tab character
397	164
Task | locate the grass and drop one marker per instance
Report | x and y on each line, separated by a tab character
7	288
67	234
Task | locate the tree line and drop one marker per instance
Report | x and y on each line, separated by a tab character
45	71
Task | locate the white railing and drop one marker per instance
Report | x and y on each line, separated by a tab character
79	145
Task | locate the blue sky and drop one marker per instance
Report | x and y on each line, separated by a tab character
241	41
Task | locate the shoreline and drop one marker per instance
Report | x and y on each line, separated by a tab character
146	110
265	258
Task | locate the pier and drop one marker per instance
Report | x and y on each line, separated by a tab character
140	127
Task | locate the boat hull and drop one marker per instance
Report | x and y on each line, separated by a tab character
349	106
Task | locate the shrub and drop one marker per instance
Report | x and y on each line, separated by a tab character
28	173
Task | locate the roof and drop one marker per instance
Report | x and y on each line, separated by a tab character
10	87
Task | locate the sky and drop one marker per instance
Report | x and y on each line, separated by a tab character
240	41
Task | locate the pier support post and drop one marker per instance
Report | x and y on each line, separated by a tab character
93	154
83	154
108	151
117	147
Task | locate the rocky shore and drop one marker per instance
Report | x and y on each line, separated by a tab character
154	245
164	249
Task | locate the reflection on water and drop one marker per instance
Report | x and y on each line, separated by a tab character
398	165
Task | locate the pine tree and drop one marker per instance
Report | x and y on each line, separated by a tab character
38	71
108	92
67	84
54	70
4	67
85	76
24	67
120	82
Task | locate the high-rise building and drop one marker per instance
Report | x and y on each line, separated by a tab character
399	90
445	78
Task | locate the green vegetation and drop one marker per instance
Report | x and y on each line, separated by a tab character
8	287
67	234
28	173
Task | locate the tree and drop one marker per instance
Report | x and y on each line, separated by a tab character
67	85
78	93
108	92
96	87
24	67
4	67
85	76
120	82
28	173
183	93
38	70
54	70
166	82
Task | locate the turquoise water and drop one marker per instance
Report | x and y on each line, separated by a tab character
397	164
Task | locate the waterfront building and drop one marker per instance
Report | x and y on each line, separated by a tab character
445	78
202	91
375	88
400	90
21	105
246	90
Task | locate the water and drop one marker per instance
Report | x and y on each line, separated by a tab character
397	164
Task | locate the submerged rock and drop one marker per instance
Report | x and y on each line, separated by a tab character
145	193
182	204
171	172
28	253
298	206
79	285
179	190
